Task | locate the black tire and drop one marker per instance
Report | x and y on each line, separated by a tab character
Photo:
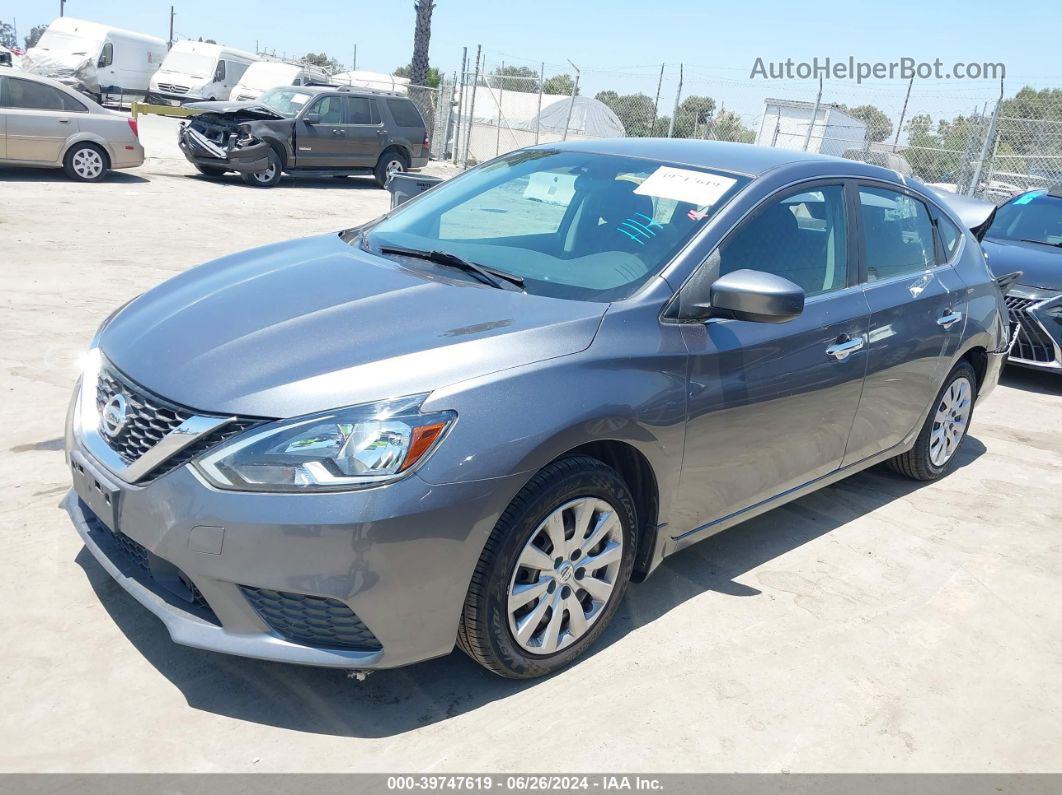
387	163
484	633
210	171
86	162
917	463
267	178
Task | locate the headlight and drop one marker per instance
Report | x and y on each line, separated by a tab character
349	448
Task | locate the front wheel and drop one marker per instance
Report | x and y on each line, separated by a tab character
933	454
553	571
267	177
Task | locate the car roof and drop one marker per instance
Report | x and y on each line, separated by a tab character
746	159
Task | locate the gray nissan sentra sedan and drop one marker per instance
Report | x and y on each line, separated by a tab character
477	418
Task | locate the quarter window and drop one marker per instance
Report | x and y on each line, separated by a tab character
897	232
950	235
404	113
801	237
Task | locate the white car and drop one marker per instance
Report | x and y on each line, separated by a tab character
43	123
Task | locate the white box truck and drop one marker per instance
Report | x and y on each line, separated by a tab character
96	59
196	70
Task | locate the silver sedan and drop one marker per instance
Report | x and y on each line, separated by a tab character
45	124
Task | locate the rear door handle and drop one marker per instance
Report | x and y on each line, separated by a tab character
337	132
63	121
950	319
842	349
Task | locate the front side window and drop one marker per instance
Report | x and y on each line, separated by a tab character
801	237
897	232
37	96
575	225
106	55
219	73
1032	217
330	109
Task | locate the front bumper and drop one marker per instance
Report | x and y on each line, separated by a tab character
201	152
398	558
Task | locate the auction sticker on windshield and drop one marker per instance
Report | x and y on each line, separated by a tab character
685	185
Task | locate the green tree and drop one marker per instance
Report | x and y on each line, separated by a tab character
634	110
693	117
418	66
558	84
7	36
330	65
515	78
35	35
879	126
728	126
433	80
1032	122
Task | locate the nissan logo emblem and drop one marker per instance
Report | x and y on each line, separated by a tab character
113	416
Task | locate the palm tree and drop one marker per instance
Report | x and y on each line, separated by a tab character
418	73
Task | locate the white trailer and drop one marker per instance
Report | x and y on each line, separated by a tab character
785	125
96	59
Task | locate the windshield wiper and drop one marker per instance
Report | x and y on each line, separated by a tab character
481	272
1041	242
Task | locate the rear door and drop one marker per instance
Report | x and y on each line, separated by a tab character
770	406
363	133
40	118
917	317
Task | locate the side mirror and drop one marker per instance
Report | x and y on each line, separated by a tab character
749	295
312	118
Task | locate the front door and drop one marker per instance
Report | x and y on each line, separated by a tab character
40	118
770	406
322	142
916	321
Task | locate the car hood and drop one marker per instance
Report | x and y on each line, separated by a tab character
1041	266
314	324
247	110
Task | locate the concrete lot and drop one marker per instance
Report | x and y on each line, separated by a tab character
878	625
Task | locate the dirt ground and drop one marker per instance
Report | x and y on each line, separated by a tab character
878	625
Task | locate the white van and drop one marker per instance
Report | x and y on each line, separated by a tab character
96	59
265	75
195	70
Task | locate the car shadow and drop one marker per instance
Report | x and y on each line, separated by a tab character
1044	383
357	182
388	703
27	174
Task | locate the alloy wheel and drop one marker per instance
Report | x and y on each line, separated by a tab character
266	175
565	575
950	421
87	163
393	167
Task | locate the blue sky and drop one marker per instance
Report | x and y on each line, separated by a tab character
621	44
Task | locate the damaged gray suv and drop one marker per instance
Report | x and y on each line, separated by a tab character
476	419
307	131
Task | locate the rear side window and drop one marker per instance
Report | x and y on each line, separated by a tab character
359	110
405	113
897	232
801	237
37	96
950	235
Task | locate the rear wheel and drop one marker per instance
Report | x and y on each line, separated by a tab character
391	162
933	454
553	571
86	162
269	176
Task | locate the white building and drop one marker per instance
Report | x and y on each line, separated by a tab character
785	126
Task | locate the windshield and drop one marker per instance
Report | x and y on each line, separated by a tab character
1033	216
285	101
193	64
64	42
571	224
268	75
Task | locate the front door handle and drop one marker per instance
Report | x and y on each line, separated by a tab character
337	132
63	121
841	349
950	319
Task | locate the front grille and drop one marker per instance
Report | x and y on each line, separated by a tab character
148	418
311	620
1031	343
173	88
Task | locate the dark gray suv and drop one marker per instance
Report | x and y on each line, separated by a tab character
477	418
306	130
